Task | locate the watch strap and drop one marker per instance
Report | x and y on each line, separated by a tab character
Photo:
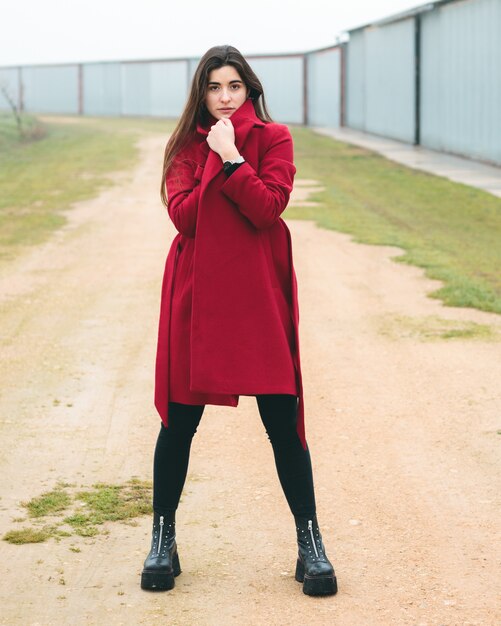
230	167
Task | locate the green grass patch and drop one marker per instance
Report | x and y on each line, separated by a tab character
433	328
82	525
107	502
48	503
59	164
27	535
90	509
449	229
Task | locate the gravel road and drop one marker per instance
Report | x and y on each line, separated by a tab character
403	430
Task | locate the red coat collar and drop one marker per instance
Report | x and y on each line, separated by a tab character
243	120
243	115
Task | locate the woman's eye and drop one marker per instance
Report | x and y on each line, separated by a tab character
214	87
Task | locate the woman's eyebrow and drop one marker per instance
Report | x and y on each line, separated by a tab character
213	82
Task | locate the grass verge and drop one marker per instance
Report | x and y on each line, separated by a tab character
434	328
449	229
59	164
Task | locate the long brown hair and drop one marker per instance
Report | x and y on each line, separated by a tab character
195	109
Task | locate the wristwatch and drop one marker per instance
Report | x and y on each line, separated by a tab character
240	159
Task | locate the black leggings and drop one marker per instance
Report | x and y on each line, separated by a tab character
278	413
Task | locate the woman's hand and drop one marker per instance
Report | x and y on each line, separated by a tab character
221	139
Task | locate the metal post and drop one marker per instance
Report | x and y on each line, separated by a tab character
80	89
305	90
417	79
342	95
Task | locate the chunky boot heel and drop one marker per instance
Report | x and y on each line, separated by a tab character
299	571
313	568
162	563
176	567
157	581
319	585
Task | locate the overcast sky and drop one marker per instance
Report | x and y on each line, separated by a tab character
51	31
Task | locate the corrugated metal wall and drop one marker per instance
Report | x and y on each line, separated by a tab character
461	79
42	89
355	81
142	88
169	86
380	80
431	75
148	88
390	86
456	66
102	89
324	87
282	80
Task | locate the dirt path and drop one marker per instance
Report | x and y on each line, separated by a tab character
402	431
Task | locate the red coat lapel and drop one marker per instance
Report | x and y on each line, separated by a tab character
243	120
238	340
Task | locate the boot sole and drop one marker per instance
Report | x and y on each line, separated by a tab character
153	580
315	585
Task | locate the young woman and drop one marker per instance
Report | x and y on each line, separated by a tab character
229	312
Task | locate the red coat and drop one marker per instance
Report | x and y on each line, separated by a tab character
229	293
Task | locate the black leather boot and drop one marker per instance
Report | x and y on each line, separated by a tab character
313	568
162	563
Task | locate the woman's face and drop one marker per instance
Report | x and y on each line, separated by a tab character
226	92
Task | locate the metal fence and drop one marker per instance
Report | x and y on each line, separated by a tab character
160	87
429	76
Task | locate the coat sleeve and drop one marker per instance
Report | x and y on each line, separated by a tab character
262	196
183	192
